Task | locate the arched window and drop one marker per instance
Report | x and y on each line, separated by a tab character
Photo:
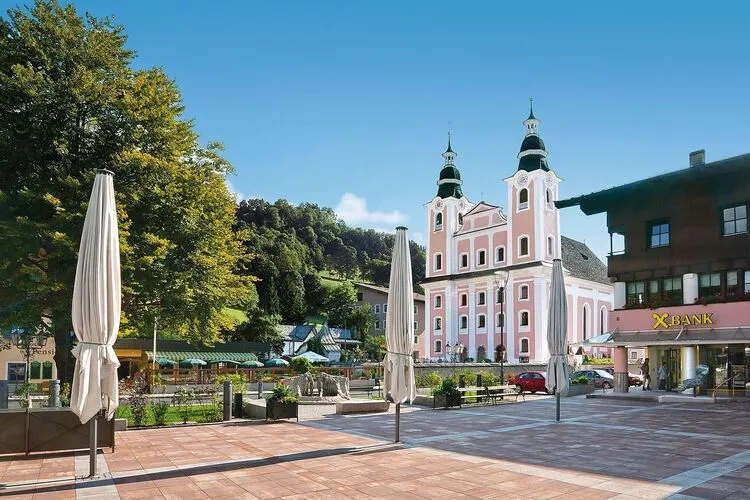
481	298
438	323
602	320
481	321
499	254
523	247
438	301
523	199
524	318
438	261
550	199
523	293
438	346
550	246
524	345
438	221
463	322
460	219
586	321
464	300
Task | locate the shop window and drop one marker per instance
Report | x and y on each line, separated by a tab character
524	292
709	285
464	260
747	281
672	290
464	300
523	199
36	370
659	235
499	254
524	345
524	319
47	370
735	220
464	322
500	319
481	321
438	346
635	292
16	372
438	221
438	301
523	247
481	258
481	298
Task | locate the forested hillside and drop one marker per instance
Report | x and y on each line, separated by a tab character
290	246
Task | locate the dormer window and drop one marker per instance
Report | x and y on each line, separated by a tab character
523	199
439	221
460	219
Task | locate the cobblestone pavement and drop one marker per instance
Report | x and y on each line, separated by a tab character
601	449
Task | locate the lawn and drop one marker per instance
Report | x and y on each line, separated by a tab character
198	413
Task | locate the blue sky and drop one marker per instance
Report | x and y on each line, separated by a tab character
348	103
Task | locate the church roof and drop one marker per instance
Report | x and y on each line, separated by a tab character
582	263
533	162
532	142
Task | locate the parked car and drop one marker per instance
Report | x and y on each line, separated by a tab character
532	382
600	378
633	379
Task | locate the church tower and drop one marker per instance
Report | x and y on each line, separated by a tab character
532	191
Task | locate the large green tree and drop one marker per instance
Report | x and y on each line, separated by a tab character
71	101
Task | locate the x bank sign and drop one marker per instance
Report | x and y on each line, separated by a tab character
666	320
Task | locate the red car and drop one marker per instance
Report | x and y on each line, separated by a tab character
531	382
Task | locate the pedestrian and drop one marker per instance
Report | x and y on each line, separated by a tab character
646	376
663	374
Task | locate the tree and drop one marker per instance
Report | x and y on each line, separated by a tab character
315	293
71	102
315	345
291	291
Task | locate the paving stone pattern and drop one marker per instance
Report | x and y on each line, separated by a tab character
601	449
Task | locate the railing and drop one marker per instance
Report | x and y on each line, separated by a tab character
726	381
208	375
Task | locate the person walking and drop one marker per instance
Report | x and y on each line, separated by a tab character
646	375
663	375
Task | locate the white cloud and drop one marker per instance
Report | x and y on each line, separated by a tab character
353	210
237	194
418	238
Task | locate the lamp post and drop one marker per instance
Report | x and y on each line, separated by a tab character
501	281
29	341
455	351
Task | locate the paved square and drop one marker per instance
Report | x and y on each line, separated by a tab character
601	449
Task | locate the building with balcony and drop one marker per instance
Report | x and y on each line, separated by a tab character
680	263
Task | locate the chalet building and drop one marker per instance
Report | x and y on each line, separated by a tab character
680	263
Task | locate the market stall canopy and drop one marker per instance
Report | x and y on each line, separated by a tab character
192	362
224	361
251	364
277	362
208	356
313	357
165	362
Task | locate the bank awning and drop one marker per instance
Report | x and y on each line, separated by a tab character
643	338
206	356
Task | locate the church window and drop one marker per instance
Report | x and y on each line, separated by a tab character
464	260
586	321
525	345
438	346
438	323
524	318
602	320
439	221
481	298
499	254
438	301
550	200
524	246
438	262
550	246
481	321
460	219
464	300
481	258
464	322
524	292
523	199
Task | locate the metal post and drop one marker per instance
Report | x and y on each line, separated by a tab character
557	404
153	360
93	441
502	336
398	423
227	400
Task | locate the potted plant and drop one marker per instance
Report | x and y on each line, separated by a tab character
446	395
579	385
282	403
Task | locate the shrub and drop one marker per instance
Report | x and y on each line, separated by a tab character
430	380
359	373
470	378
488	378
282	393
239	381
300	365
446	388
65	394
213	410
159	411
183	399
136	390
510	379
580	380
24	391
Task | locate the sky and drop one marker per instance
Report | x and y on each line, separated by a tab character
347	104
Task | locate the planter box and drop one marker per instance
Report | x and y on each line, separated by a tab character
276	410
579	389
445	401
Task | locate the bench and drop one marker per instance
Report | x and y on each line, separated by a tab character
494	392
372	389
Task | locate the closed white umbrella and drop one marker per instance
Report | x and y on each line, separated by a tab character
558	370
96	310
398	377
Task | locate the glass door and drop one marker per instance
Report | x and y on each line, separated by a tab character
672	358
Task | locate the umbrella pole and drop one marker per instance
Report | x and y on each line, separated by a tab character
398	423
92	445
557	404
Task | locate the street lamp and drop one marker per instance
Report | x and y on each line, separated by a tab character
29	341
455	351
501	281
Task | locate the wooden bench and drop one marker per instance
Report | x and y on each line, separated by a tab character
372	389
494	392
472	392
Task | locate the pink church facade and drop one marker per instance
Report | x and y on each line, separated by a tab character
469	243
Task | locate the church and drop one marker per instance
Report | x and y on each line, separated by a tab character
488	272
